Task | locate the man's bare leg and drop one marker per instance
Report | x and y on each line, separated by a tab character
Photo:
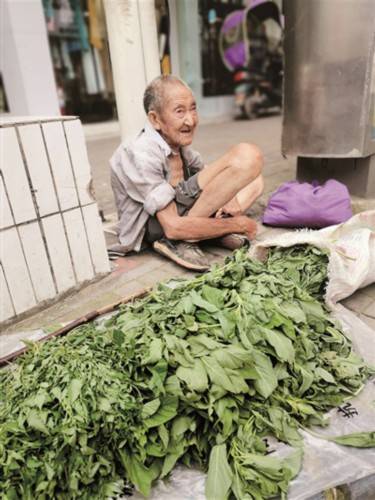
237	206
250	193
227	177
220	182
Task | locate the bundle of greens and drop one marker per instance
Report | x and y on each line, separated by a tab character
200	373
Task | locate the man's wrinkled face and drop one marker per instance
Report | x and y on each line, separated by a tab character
178	118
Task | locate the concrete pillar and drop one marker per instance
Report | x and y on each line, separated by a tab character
173	38
189	45
134	51
25	60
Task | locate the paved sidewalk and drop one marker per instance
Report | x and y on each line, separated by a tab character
137	271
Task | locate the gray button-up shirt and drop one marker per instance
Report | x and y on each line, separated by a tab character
140	181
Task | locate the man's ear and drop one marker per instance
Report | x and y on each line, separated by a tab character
154	119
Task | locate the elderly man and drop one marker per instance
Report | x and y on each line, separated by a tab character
167	197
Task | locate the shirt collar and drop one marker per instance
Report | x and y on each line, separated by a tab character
154	134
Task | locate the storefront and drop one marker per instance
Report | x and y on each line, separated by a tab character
57	57
80	58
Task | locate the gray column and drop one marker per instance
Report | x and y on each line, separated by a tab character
25	59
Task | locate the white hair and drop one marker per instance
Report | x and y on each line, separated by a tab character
154	94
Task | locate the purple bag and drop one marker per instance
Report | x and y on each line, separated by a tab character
312	205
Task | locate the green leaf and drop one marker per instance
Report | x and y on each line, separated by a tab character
186	305
159	373
294	462
232	356
155	352
357	439
313	310
321	373
168	464
307	379
74	389
200	302
172	385
219	477
150	408
283	346
37	420
267	381
217	374
204	341
284	427
139	475
104	405
118	336
213	296
293	311
227	322
167	410
38	400
164	435
195	378
180	425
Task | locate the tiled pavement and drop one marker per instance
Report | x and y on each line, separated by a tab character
137	271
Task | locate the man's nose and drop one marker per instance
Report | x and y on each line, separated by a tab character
190	119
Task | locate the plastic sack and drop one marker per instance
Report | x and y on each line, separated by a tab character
312	205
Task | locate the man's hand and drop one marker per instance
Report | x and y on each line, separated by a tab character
202	228
248	226
231	208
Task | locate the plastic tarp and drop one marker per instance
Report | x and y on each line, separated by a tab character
325	464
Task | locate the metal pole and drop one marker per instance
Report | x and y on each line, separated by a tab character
134	51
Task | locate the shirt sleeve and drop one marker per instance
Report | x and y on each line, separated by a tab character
193	160
145	179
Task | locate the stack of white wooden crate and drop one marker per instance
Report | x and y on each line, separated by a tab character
51	236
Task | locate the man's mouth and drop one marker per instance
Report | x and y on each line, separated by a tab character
186	131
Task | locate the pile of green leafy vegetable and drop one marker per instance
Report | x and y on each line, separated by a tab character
200	372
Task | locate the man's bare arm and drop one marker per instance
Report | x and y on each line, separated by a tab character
202	228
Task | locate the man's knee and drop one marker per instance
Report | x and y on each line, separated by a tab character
247	159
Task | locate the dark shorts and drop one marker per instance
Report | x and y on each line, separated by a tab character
187	193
